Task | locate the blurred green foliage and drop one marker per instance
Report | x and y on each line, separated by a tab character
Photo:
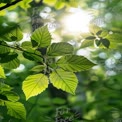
98	94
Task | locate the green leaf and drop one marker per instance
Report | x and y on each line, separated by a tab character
90	37
58	101
67	81
105	42
4	87
99	32
97	42
87	43
74	63
2	74
4	49
104	33
33	55
59	4
13	64
115	37
38	68
12	96
8	57
34	85
50	2
58	49
16	109
25	4
2	103
85	35
13	35
41	36
26	45
10	61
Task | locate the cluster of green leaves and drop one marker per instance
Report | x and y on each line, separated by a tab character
10	99
101	37
57	63
13	4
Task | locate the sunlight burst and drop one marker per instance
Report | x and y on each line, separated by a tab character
77	21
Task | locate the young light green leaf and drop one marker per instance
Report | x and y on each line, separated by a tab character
59	4
16	109
2	74
74	63
12	96
58	49
67	81
34	85
5	87
41	36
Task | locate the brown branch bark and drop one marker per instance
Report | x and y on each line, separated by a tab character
9	4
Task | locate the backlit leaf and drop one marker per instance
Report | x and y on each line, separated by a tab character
13	64
4	49
58	49
74	63
12	96
33	55
34	85
16	109
87	43
2	74
10	61
14	35
41	36
67	81
4	87
26	45
38	68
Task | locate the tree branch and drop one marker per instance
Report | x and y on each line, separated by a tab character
20	49
9	4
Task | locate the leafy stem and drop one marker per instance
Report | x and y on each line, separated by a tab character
20	49
9	4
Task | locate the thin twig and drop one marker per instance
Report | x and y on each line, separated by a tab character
20	49
9	4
